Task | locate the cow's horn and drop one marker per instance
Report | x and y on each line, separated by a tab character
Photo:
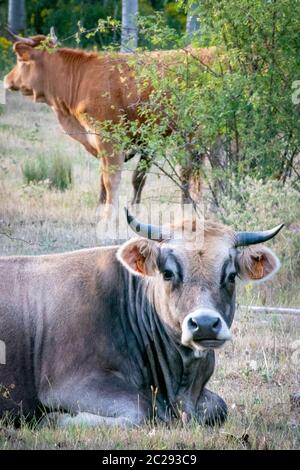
251	238
28	41
152	232
53	36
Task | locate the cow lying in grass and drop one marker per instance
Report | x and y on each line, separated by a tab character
96	335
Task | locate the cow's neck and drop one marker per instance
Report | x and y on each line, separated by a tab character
171	370
59	93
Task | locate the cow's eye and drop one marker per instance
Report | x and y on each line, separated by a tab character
168	275
231	277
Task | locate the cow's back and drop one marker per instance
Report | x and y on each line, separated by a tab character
107	89
50	311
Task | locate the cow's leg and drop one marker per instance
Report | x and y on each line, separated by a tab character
102	197
190	179
211	409
185	179
64	420
106	399
75	130
112	165
91	142
139	178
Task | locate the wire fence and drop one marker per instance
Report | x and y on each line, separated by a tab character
274	310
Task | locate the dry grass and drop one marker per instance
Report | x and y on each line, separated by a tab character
255	374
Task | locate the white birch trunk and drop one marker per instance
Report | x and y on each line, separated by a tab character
129	38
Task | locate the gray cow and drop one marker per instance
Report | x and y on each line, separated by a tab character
112	335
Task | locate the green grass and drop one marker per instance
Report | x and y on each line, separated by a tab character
255	374
55	172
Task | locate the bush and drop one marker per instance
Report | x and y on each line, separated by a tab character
57	171
231	103
7	57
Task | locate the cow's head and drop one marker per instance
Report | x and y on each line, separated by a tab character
194	287
27	75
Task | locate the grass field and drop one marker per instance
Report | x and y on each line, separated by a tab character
255	374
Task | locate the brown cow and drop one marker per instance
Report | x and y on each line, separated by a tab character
82	87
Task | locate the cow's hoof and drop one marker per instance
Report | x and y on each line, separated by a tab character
212	410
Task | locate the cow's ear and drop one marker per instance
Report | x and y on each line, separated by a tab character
23	51
257	263
139	256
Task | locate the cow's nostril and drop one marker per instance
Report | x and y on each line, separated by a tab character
193	324
216	325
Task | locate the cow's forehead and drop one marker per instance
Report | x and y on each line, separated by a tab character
209	254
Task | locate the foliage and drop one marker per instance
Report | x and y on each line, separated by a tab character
235	108
64	15
253	100
7	58
54	173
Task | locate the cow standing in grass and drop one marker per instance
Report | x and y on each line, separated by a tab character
83	88
116	335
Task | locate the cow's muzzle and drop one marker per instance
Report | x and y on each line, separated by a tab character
204	329
9	85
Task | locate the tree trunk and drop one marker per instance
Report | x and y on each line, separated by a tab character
192	23
16	16
129	27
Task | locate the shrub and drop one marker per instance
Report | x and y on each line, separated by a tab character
232	103
57	171
7	58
